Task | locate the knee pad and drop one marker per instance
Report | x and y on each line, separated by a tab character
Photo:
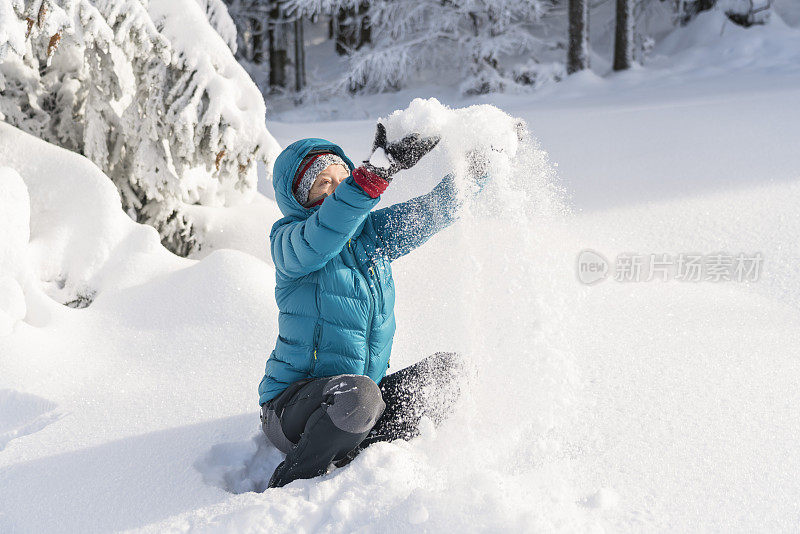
354	402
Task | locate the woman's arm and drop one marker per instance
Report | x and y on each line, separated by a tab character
405	226
300	247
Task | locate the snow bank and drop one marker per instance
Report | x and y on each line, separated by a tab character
80	241
101	395
14	215
245	227
645	406
23	414
711	41
497	463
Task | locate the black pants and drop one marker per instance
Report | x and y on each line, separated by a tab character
319	421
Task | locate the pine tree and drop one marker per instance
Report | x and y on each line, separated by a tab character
351	27
219	18
476	40
149	91
263	41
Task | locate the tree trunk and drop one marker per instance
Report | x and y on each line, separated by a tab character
578	52
278	56
299	56
366	28
258	42
352	28
345	30
623	39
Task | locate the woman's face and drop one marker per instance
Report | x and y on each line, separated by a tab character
327	181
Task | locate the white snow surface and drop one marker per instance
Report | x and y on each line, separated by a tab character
650	406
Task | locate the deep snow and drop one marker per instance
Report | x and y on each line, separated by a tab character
649	406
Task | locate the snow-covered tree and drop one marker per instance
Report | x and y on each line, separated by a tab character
748	12
350	27
265	35
250	17
743	12
149	91
484	43
217	14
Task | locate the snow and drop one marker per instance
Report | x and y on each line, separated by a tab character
221	21
12	32
88	385
649	406
476	128
81	242
494	140
14	226
151	93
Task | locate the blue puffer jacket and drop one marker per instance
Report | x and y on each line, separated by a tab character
334	285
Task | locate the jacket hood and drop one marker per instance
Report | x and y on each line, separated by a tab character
286	166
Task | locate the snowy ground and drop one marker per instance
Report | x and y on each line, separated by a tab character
640	406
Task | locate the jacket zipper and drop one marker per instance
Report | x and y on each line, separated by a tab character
317	330
371	303
373	270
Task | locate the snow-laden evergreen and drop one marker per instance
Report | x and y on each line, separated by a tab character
149	91
487	45
262	41
217	13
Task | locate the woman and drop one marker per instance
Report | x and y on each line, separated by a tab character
324	395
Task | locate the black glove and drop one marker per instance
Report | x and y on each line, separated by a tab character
387	159
477	164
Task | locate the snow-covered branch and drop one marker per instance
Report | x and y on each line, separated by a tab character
477	40
149	91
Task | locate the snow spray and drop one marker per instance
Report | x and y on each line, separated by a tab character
491	288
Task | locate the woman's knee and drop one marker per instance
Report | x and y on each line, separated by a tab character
354	402
271	425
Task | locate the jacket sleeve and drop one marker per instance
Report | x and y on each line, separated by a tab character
405	226
300	247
